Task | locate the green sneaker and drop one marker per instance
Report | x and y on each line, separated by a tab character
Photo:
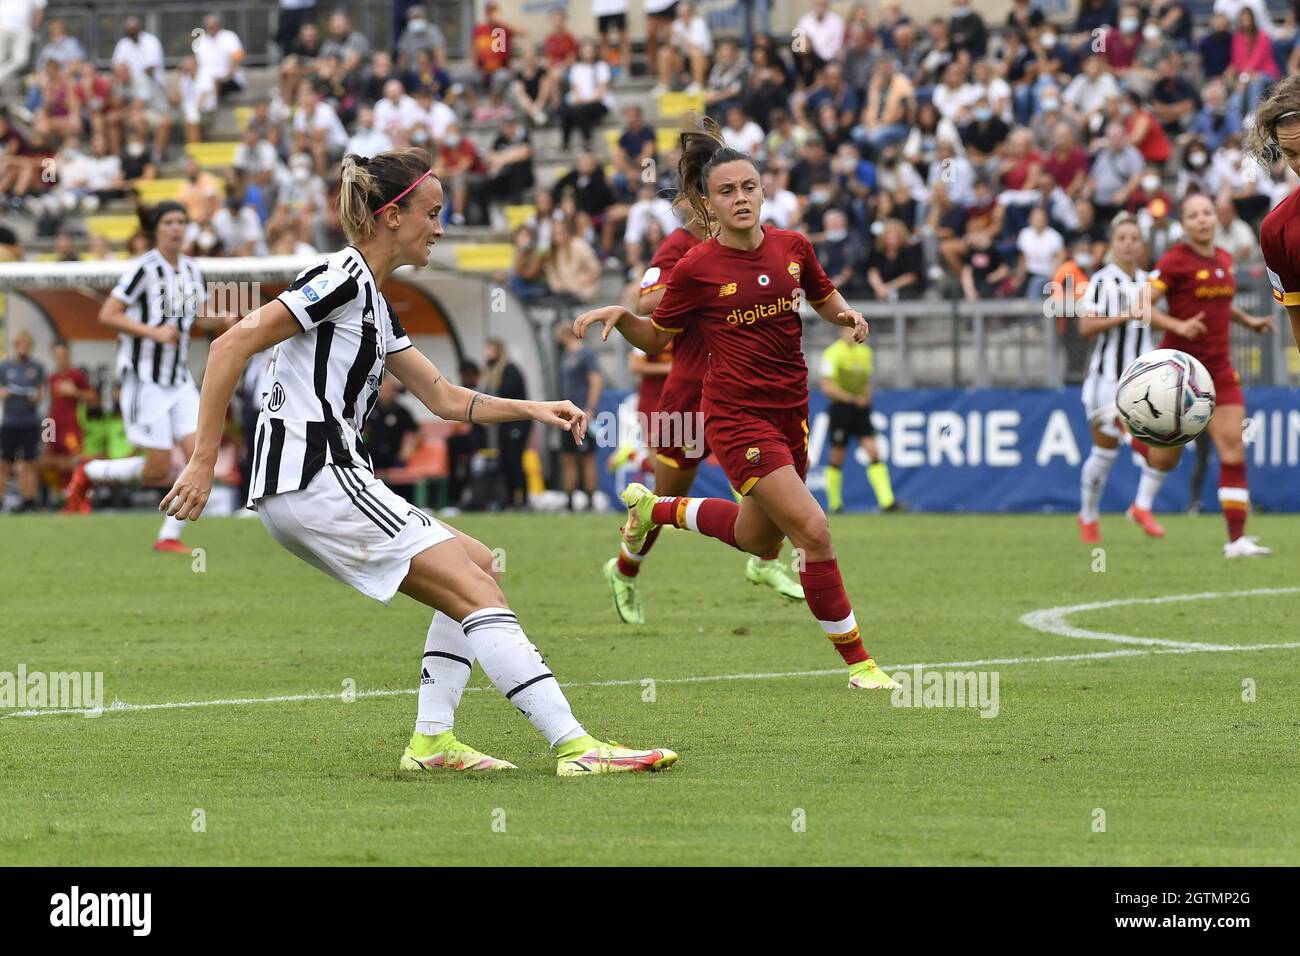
640	502
622	455
773	574
867	675
627	596
587	755
445	752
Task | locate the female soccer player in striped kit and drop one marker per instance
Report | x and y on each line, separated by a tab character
315	489
1198	280
153	307
742	288
675	465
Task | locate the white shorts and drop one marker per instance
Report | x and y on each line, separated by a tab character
1099	400
158	416
353	527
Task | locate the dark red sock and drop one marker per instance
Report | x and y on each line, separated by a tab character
629	568
823	589
714	517
1234	498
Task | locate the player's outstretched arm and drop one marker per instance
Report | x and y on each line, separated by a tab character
458	404
1256	324
259	330
836	311
640	332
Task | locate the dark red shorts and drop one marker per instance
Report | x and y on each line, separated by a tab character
67	441
1227	383
679	439
752	442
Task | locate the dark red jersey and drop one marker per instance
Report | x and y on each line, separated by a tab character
1193	284
746	305
1279	238
690	355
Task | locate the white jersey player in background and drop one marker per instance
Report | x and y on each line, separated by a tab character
315	489
154	306
1114	314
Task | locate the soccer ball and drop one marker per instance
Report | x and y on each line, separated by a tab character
1165	398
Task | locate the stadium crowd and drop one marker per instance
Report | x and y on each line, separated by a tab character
942	157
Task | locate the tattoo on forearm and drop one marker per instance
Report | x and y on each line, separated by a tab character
469	414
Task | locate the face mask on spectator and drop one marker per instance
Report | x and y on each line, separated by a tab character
301	173
135	150
1150	183
1051	104
836	235
1083	259
418	24
452	140
877	228
1151	33
419	136
983	114
1128	24
1196	160
1049	40
819	196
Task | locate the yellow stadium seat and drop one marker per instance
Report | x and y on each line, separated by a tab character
484	256
46	257
242	115
113	228
666	138
516	216
156	190
213	155
611	140
675	105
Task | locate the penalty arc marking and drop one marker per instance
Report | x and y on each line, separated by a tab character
1050	620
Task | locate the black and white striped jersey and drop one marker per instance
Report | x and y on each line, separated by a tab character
156	294
1111	292
324	382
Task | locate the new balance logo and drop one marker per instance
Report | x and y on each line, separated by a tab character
728	289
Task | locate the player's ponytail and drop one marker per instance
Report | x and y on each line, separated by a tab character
1280	107
367	185
703	149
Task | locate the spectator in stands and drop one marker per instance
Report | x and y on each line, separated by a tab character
534	88
1259	8
1252	60
818	38
943	238
391	434
59	113
650	209
890	102
969	34
1142	129
317	128
195	97
527	276
1121	42
572	269
1088	92
349	45
766	87
785	141
744	134
306	46
984	135
462	172
137	162
220	55
954	96
1214	123
65	248
366	140
19	165
560	47
588	98
580	383
510	162
397	111
956	171
984	270
1175	21
140	50
1234	234
1115	174
22	388
1150	188
687	53
611	28
491	48
1215	48
96	174
292	15
502	378
200	193
1173	98
421	34
781	206
438	116
634	151
18	21
727	79
60	46
659	18
1042	251
894	269
1067	162
830	89
843	255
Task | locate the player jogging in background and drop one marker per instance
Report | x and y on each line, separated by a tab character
1276	135
1197	279
743	288
846	380
1111	314
315	490
651	372
153	307
676	463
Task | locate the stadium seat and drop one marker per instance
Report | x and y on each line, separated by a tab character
484	256
516	216
153	191
242	116
666	138
428	464
213	155
676	105
113	228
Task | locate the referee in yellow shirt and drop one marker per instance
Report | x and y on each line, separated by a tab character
846	381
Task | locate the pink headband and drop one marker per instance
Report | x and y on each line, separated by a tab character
398	197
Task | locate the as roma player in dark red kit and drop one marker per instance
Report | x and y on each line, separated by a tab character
743	289
1197	279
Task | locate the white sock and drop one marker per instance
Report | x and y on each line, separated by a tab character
1093	481
517	669
171	529
118	469
444	672
1149	486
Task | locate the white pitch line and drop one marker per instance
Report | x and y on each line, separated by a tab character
118	707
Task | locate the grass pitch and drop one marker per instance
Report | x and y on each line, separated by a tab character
775	769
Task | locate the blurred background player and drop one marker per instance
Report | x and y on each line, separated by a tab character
846	380
69	388
22	384
153	307
651	372
1111	314
743	287
1198	279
